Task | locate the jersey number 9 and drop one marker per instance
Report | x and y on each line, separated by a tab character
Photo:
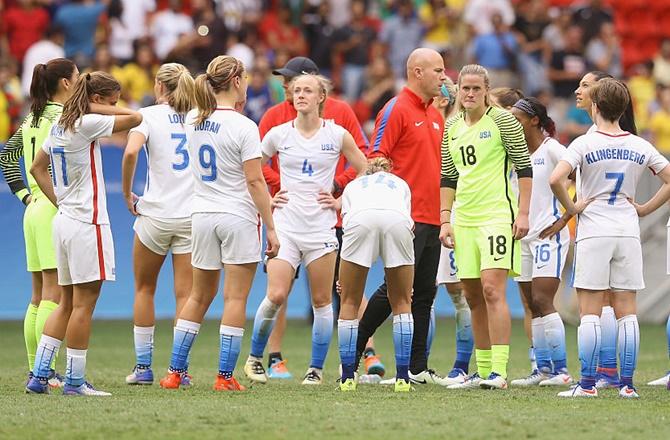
207	158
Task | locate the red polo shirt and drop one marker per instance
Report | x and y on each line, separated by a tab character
409	133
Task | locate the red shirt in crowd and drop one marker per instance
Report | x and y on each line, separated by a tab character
409	133
340	113
23	28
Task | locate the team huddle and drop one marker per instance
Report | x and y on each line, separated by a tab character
459	186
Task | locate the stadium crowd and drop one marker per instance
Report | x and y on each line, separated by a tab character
542	47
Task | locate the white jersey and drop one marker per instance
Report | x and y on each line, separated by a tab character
381	190
76	168
543	205
219	147
611	166
169	185
307	166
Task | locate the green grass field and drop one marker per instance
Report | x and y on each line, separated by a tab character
287	410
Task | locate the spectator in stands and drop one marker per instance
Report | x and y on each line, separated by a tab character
138	76
662	64
79	20
590	18
402	33
577	123
10	98
643	92
478	14
241	14
136	16
23	25
277	31
48	48
529	26
321	36
604	51
168	26
565	70
497	52
104	62
259	95
553	34
354	42
439	20
659	124
379	88
120	39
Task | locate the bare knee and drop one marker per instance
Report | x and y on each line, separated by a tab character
493	294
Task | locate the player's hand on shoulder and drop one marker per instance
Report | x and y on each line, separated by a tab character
273	243
280	199
447	236
328	201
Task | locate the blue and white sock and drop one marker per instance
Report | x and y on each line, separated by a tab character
554	331
46	350
322	333
403	332
589	342
464	340
231	342
431	330
144	345
542	353
266	315
347	335
185	333
609	327
629	345
75	372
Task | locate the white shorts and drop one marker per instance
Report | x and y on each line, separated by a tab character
161	235
544	258
84	252
447	271
608	263
222	238
372	233
306	247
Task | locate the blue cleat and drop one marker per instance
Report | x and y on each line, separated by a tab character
140	376
55	380
185	379
278	370
85	389
37	386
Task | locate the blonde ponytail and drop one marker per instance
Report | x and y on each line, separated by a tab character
220	74
180	86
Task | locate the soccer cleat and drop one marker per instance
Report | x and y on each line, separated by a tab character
494	382
373	365
313	377
55	380
171	381
254	370
532	379
427	377
37	386
85	389
661	381
186	379
389	381
223	384
348	385
140	376
578	391
556	380
628	392
278	370
30	376
606	381
456	375
371	379
402	386
470	382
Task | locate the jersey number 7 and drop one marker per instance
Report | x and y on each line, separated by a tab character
617	185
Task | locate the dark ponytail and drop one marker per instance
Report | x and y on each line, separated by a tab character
44	85
533	107
627	120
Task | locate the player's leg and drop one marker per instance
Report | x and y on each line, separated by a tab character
352	279
146	266
51	292
373	363
320	273
608	376
276	363
624	304
528	329
400	281
183	285
464	339
665	379
236	287
29	333
500	325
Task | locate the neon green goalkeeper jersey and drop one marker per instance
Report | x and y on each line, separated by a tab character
476	163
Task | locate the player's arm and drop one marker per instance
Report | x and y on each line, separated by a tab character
259	194
124	118
351	124
40	171
271	176
448	183
559	182
661	196
11	168
353	154
128	166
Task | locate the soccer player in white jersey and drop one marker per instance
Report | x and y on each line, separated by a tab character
608	254
229	194
163	212
377	221
543	259
308	149
81	231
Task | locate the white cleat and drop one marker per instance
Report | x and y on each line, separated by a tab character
455	376
661	381
85	389
556	380
371	379
578	391
314	376
470	382
255	371
427	377
628	392
532	379
494	382
389	381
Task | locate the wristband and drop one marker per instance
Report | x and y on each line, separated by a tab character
444	223
23	200
445	209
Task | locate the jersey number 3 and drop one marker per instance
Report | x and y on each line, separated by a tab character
180	151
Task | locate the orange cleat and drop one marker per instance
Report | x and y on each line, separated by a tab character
171	381
373	365
223	384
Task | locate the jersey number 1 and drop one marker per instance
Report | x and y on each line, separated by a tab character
63	165
468	155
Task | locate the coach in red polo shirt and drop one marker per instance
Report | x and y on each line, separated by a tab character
408	131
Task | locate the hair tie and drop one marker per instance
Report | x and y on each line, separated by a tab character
87	76
525	106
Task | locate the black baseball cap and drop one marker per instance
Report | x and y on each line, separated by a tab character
297	66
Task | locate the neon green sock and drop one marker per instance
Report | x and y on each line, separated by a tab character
45	309
29	334
483	362
499	358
